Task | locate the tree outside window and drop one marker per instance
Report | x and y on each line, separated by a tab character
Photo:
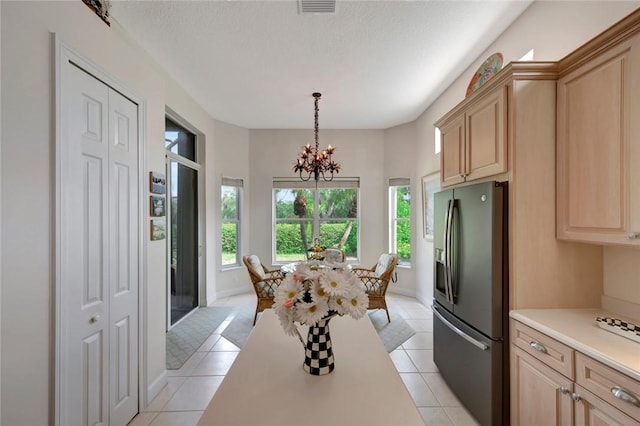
302	214
400	229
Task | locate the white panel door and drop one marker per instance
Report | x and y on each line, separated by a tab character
123	243
98	245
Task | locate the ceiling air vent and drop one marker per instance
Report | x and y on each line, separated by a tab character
317	6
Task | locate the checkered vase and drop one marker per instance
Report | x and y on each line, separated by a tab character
318	357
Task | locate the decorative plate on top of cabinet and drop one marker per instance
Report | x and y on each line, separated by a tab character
490	67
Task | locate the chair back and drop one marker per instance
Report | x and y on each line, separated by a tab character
265	282
254	267
386	265
334	255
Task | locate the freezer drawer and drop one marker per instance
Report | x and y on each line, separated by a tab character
472	366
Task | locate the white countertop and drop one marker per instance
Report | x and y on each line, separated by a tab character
266	384
578	329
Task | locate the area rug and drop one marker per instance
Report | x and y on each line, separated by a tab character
185	338
392	334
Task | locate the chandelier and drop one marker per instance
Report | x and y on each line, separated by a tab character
313	162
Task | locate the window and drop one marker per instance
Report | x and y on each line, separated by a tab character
303	212
400	219
231	193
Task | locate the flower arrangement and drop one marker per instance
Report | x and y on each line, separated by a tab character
309	294
316	252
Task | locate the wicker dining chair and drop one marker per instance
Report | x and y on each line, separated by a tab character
265	281
334	255
376	280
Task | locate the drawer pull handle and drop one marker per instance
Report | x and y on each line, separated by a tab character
538	347
575	397
625	395
564	390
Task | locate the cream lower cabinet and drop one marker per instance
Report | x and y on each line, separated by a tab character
552	384
591	410
473	140
539	394
598	146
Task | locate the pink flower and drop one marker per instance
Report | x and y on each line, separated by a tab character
288	303
298	277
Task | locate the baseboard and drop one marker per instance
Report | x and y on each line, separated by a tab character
402	291
232	292
621	307
156	386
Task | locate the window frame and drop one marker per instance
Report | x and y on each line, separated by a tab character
316	220
238	185
394	184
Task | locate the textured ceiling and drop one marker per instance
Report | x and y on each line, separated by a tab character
255	64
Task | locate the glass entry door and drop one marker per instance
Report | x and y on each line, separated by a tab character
183	239
183	220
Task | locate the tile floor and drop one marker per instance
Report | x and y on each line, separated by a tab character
190	388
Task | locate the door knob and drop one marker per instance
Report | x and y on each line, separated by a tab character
632	235
94	319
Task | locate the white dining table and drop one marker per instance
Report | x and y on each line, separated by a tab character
266	385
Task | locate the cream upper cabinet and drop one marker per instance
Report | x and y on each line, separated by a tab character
452	151
473	140
598	148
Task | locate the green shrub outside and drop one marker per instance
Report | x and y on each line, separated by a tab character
289	242
228	237
288	239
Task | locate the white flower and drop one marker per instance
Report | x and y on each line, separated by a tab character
289	290
356	304
304	271
286	320
337	303
310	313
309	294
335	283
317	291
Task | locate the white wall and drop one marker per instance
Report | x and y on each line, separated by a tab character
272	153
28	196
399	149
622	274
230	159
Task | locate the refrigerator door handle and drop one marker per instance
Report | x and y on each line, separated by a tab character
461	333
448	248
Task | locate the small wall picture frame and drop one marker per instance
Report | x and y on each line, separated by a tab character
430	185
158	229
157	183
156	205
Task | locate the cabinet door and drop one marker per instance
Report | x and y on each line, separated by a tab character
539	395
591	410
598	131
485	126
452	156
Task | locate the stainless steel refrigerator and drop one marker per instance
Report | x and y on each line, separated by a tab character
470	324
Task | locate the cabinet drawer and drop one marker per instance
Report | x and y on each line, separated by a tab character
604	381
551	352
